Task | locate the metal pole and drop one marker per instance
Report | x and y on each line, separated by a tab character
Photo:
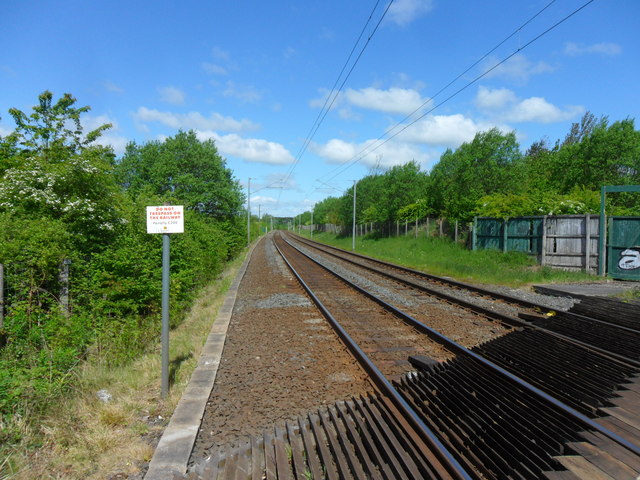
249	212
353	238
312	221
602	232
165	315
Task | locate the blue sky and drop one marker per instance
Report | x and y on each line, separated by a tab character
254	77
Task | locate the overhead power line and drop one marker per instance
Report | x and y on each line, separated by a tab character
333	95
380	142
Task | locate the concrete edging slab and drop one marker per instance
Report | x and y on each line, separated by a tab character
174	449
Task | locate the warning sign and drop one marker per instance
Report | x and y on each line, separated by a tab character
165	219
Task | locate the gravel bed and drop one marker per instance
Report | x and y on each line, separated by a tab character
549	301
281	359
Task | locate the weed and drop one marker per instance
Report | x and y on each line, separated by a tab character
440	256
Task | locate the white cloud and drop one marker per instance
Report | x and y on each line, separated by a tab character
220	54
518	68
214	69
4	131
246	93
490	99
193	120
503	104
263	201
112	87
392	153
281	180
443	130
403	12
537	109
109	137
604	48
394	100
250	149
349	114
336	150
171	95
320	102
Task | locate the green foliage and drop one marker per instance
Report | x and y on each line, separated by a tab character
593	154
441	256
62	198
327	211
500	205
414	211
490	164
52	128
182	169
380	197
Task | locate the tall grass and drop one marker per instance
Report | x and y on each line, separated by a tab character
441	256
81	437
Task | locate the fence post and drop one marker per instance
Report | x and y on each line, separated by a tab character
543	247
427	234
416	235
397	228
455	236
441	221
587	243
64	287
505	235
474	234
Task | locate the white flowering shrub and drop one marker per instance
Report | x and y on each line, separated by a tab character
76	191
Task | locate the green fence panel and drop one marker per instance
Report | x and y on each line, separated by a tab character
524	234
489	233
623	249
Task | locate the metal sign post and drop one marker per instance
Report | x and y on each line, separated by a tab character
165	219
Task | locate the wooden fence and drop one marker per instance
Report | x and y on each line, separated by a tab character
569	242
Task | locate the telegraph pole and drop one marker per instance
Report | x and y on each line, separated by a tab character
249	212
353	237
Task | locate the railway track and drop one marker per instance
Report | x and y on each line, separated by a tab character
618	337
443	287
530	404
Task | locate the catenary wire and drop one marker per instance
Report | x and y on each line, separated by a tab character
361	155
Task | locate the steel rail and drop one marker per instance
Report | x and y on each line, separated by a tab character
456	347
436	278
524	322
452	466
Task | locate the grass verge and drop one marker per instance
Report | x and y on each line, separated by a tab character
440	256
82	437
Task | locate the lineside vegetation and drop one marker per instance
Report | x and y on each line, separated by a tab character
68	202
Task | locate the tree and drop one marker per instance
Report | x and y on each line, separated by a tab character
379	197
50	170
182	169
327	211
491	163
52	128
